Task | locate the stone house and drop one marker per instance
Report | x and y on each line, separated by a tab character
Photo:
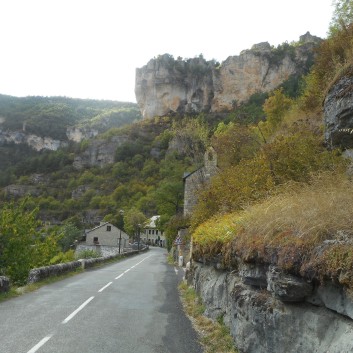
193	182
151	234
106	234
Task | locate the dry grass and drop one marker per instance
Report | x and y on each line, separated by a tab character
215	336
317	210
307	229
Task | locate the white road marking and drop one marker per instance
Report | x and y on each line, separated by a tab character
107	285
143	260
40	344
126	271
77	310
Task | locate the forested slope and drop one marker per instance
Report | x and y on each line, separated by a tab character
268	148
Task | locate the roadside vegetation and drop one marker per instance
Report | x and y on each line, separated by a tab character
287	200
18	290
272	199
214	335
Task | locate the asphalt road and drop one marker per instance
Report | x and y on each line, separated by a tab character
129	307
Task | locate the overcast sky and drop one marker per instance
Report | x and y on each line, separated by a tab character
91	48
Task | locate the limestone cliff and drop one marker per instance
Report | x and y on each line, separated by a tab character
338	111
78	134
166	86
38	143
99	152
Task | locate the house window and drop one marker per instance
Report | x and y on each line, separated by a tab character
109	228
157	231
149	231
95	240
152	231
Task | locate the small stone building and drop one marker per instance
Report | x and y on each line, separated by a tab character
106	234
193	182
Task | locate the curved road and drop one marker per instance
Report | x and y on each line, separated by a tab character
131	306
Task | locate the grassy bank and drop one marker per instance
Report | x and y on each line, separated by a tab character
215	336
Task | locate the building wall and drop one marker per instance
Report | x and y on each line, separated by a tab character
195	181
103	250
150	236
106	237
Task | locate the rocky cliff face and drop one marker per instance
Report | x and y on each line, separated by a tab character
166	86
99	153
38	143
269	311
78	134
338	110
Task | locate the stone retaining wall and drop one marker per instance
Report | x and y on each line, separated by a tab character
269	311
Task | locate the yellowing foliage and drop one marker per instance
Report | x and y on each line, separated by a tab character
210	236
293	157
305	229
275	108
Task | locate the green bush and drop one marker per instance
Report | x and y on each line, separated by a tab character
62	257
87	254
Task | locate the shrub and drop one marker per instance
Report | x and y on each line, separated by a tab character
62	257
87	254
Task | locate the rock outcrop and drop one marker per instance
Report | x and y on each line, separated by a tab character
38	143
19	190
167	86
77	134
99	152
338	110
291	316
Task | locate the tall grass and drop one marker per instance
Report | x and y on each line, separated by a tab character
305	229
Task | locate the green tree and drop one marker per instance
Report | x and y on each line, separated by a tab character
22	245
169	197
342	15
275	108
234	142
134	221
171	225
69	234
